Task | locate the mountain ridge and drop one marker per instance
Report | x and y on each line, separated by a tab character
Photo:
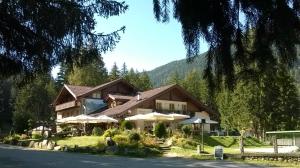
159	75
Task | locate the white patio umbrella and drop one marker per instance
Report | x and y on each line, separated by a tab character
65	120
155	116
135	117
198	120
175	116
105	119
81	119
40	128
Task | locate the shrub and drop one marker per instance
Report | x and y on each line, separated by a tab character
111	132
97	131
186	143
134	137
23	136
20	121
187	130
160	130
121	139
101	145
107	133
11	139
150	142
114	131
177	134
126	125
36	136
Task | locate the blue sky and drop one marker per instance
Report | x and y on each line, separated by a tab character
146	43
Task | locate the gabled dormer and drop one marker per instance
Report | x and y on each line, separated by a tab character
90	98
68	96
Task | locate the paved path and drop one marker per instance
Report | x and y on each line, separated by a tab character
18	157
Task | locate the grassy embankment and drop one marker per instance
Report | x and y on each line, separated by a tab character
187	146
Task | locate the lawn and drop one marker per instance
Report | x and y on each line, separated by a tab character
187	152
187	147
229	141
81	141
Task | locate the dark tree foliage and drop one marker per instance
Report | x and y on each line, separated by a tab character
114	72
34	34
224	23
7	97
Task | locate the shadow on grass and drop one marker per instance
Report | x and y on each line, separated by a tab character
222	141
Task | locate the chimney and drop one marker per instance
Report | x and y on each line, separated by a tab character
139	96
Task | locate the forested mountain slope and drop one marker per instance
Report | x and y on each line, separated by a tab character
160	74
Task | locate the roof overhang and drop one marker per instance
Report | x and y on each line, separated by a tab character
60	92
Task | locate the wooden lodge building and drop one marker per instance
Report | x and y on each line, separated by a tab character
120	99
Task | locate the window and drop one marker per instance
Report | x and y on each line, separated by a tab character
184	108
92	105
158	106
96	95
171	107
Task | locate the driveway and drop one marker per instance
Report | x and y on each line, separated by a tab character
19	157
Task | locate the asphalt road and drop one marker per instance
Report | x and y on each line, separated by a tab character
18	157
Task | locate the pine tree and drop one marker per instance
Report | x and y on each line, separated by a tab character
124	70
62	76
289	106
114	72
33	102
7	98
220	24
91	73
193	84
144	82
35	32
280	103
174	79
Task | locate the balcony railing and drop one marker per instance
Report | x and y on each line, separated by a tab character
171	111
65	105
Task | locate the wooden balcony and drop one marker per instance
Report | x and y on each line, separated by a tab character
65	105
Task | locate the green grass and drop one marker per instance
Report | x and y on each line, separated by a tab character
134	150
187	152
187	147
229	141
82	141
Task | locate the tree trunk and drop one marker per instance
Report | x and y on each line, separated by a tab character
242	145
275	144
242	142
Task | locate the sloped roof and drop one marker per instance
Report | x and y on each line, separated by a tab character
81	91
147	96
78	90
134	102
73	90
105	85
120	97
